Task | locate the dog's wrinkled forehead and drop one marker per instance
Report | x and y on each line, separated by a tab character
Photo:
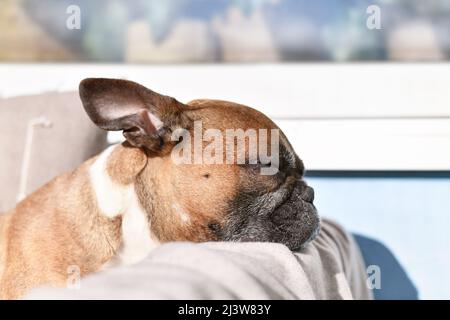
223	115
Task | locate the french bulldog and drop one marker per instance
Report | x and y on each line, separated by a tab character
116	207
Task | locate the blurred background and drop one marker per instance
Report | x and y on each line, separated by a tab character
180	31
345	80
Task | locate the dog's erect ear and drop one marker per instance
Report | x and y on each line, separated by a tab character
146	117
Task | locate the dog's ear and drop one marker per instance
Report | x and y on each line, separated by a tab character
146	117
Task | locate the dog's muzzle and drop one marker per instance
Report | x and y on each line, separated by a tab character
296	221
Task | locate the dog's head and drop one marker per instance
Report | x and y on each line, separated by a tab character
206	170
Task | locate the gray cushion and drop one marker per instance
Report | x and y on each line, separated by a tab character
57	133
330	267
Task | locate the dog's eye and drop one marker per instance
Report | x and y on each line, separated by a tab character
263	165
266	165
258	165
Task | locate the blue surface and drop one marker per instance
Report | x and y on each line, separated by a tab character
394	284
410	216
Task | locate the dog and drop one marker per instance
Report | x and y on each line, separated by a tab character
116	207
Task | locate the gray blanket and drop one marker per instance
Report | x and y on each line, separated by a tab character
330	267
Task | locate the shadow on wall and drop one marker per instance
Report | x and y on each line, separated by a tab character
395	283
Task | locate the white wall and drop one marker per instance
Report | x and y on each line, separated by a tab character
338	116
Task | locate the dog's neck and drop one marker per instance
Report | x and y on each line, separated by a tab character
118	199
89	218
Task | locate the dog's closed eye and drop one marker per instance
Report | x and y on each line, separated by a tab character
258	165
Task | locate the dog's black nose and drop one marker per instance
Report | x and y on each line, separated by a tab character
308	194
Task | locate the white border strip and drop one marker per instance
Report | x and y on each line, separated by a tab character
400	113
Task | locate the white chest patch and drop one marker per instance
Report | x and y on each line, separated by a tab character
137	240
112	198
116	199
